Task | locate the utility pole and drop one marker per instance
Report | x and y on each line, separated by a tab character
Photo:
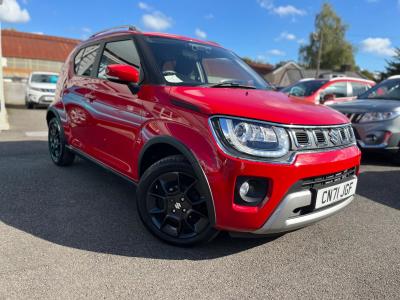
319	37
3	115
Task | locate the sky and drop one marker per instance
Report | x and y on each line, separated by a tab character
267	30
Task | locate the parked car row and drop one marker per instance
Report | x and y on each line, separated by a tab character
374	110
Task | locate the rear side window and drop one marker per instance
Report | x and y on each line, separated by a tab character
119	53
359	88
84	60
339	89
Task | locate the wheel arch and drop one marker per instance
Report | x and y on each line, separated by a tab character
172	146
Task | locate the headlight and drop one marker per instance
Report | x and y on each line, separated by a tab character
38	89
378	116
252	138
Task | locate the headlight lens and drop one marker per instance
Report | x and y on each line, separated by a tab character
253	138
38	89
378	116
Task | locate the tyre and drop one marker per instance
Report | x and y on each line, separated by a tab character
172	203
396	158
28	104
59	153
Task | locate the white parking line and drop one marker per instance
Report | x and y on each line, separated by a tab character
36	133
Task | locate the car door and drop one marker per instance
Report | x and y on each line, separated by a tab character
118	110
77	98
358	88
334	92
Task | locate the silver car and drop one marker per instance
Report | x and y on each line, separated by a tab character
375	116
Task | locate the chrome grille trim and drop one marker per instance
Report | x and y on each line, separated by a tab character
321	137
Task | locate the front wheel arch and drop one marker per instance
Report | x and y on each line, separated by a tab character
178	149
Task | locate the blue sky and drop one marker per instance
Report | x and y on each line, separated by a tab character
271	30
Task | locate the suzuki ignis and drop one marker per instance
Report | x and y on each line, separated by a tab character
210	146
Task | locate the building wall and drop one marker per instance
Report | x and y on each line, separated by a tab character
22	67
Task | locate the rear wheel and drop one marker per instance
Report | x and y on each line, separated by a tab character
172	203
59	153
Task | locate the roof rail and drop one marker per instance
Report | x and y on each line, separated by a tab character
127	27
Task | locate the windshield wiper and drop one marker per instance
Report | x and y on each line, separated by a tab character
231	84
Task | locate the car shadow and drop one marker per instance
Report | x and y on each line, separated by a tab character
374	186
86	207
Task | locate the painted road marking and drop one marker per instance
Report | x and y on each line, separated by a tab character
36	133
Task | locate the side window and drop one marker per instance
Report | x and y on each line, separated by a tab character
120	53
359	88
339	89
84	60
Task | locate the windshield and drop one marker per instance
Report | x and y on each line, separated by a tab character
305	88
188	63
388	89
44	78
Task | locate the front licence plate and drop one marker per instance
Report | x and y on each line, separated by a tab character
332	194
48	98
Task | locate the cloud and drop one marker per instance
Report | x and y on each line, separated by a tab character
200	33
157	21
282	11
378	46
286	36
144	6
288	10
276	52
11	12
210	16
38	32
86	32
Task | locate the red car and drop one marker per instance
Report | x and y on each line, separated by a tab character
208	143
323	91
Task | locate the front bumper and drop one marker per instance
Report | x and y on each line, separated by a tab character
40	97
383	135
285	181
284	219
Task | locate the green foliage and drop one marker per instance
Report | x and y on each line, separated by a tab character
336	51
367	74
393	66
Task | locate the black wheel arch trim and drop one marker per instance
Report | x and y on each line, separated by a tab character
192	160
53	111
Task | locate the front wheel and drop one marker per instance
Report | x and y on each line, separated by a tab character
172	203
59	153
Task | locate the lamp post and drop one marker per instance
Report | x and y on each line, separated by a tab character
3	116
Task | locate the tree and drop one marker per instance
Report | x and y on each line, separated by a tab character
393	66
336	51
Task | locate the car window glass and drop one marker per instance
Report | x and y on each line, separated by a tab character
339	89
305	88
119	53
359	88
77	60
85	65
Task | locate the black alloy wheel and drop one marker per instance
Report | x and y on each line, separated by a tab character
173	204
59	153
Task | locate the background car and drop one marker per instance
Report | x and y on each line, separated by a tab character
376	117
328	91
40	89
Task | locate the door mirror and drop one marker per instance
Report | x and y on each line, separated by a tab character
122	74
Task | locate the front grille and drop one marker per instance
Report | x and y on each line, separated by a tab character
322	137
320	181
302	138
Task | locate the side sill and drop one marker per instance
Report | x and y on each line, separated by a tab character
100	164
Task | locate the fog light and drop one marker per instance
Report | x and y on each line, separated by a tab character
250	191
244	189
